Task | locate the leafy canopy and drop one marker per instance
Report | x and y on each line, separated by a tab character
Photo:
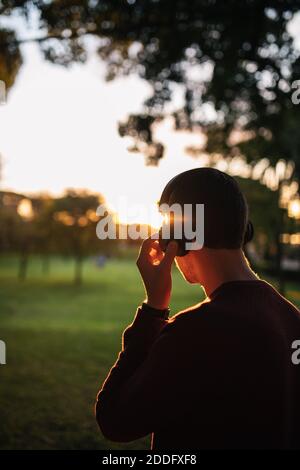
235	62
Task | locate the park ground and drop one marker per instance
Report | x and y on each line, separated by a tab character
61	341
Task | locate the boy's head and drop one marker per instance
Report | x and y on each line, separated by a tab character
226	225
225	207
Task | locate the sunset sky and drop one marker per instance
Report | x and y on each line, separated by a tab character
58	130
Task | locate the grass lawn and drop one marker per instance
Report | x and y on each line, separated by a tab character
61	341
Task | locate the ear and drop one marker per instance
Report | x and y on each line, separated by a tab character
249	233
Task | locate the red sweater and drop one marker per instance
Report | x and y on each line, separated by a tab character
218	375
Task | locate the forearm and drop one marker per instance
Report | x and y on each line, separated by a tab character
137	340
145	328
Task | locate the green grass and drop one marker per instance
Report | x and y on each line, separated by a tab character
61	341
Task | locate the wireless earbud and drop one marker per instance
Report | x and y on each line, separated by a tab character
249	234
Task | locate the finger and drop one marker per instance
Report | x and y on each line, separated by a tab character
147	244
144	257
159	252
170	254
156	254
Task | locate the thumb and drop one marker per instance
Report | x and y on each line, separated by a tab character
170	254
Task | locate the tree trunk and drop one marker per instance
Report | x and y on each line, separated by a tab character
78	271
23	265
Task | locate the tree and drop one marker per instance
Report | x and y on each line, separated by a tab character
44	229
44	225
264	214
74	229
235	62
17	232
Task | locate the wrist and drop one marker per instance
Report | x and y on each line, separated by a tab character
154	311
152	303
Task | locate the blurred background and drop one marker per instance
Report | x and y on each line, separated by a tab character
105	102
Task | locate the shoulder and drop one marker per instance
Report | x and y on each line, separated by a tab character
198	311
188	332
185	319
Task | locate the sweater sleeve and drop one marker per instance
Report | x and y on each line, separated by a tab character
132	401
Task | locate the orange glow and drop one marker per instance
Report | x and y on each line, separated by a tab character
83	221
64	218
92	216
295	239
147	214
291	239
294	209
25	209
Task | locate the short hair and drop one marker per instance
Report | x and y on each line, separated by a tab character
225	206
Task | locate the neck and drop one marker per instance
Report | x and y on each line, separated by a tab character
219	266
